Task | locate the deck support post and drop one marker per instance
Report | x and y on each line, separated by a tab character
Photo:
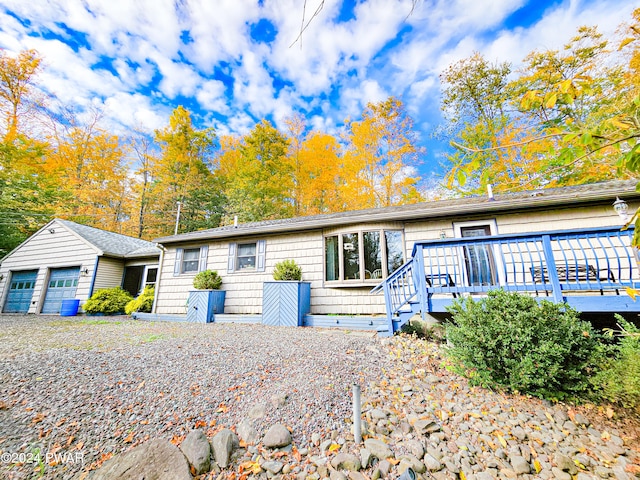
551	269
419	281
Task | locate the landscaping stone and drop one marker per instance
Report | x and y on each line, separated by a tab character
197	449
346	461
154	460
378	448
277	436
222	445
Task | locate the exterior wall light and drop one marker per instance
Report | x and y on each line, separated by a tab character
621	207
84	271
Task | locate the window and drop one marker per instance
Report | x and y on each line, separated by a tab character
364	256
190	260
247	257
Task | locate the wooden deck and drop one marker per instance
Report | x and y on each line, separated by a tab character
587	269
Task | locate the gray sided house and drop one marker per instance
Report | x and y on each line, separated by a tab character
484	243
66	260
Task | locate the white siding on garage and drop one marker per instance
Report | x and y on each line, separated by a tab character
45	250
109	273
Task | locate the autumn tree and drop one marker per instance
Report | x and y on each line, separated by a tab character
92	171
183	173
259	187
536	132
380	158
18	98
27	193
320	175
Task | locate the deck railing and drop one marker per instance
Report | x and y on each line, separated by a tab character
555	264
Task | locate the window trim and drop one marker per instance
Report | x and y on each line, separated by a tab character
232	259
178	266
362	281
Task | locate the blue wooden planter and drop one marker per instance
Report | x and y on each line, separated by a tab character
202	305
285	303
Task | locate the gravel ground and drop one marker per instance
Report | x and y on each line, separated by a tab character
86	389
100	386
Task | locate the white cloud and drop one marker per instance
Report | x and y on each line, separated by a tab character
211	95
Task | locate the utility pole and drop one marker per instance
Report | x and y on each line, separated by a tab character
177	218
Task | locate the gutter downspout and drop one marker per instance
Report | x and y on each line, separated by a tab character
95	273
159	277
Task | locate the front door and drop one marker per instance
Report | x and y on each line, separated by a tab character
478	259
20	291
63	283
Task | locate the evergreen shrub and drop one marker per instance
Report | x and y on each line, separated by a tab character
619	380
108	301
142	303
207	280
287	270
510	341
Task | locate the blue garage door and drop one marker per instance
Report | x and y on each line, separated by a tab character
20	291
62	286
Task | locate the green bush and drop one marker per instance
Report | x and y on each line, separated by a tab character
207	280
142	303
287	270
510	341
619	380
107	301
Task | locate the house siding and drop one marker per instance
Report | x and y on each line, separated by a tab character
244	289
45	251
109	273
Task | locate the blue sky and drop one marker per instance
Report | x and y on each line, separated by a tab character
231	61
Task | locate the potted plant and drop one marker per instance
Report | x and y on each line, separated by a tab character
207	300
286	300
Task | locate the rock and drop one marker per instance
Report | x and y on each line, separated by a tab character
315	438
409	461
519	464
432	463
258	411
356	476
198	451
324	446
346	461
273	466
278	400
365	457
277	436
378	414
559	474
565	464
378	449
222	446
154	460
247	433
426	426
385	467
336	475
415	447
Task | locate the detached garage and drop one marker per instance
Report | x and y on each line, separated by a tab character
65	260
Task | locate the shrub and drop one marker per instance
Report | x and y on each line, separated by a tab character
207	280
287	270
619	380
107	301
142	303
510	341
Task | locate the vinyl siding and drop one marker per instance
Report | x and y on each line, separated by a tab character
244	289
45	251
109	274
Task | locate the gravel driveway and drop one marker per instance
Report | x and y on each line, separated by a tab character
75	391
88	387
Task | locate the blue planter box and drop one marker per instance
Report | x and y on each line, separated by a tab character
285	303
204	304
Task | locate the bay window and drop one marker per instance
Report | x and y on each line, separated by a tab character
362	256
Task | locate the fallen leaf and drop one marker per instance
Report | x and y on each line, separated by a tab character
140	386
38	418
129	437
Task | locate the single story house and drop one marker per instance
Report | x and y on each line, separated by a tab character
345	255
66	260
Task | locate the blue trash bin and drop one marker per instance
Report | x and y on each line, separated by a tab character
69	308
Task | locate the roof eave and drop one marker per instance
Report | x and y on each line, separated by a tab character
432	212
